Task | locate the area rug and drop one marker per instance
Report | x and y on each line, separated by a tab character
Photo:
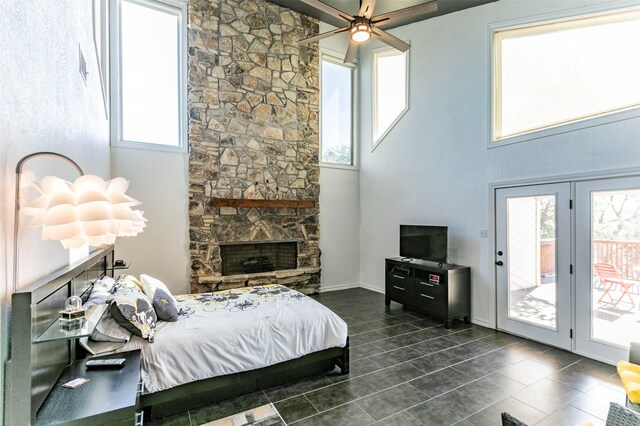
265	415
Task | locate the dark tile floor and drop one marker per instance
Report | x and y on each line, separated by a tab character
407	369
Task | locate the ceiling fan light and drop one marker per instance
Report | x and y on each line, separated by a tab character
360	33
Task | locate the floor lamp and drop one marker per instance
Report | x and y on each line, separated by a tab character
88	211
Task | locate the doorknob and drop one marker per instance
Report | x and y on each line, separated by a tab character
499	263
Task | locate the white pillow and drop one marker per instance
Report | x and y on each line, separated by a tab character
150	284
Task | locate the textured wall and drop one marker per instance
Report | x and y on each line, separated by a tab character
253	105
45	106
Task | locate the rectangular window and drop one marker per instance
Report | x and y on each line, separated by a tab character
390	91
559	73
149	74
336	111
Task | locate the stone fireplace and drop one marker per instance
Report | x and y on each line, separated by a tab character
253	136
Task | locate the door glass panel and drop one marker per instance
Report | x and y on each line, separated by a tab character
531	239
615	266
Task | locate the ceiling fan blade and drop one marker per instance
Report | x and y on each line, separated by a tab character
392	41
351	52
323	35
412	12
366	8
329	10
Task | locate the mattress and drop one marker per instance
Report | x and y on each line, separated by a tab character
234	331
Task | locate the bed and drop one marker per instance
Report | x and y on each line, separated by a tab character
225	344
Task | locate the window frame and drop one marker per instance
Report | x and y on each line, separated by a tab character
338	59
375	53
175	7
570	18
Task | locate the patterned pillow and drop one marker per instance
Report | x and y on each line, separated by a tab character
100	291
133	310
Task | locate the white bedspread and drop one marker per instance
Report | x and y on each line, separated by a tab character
233	331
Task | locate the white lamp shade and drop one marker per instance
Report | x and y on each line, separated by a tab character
89	183
91	196
118	198
61	232
63	214
89	211
118	184
95	211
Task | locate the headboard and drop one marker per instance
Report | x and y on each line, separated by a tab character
35	367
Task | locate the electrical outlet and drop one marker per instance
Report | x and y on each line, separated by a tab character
484	233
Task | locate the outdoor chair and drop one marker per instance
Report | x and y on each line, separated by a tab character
609	278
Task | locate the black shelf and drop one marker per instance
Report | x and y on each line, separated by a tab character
110	397
439	290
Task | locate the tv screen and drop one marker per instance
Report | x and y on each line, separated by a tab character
424	242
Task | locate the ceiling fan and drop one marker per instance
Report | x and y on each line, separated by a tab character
363	26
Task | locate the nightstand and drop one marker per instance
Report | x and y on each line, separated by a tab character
110	397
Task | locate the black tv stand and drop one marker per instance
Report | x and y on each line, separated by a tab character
441	290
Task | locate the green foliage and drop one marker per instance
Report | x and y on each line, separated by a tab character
337	155
547	209
616	215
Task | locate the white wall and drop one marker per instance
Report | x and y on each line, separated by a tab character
339	228
45	107
339	210
434	166
159	179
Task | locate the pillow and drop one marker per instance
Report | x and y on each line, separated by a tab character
100	291
164	306
108	330
99	348
630	376
150	284
509	420
129	279
131	309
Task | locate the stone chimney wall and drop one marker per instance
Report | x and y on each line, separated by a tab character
253	98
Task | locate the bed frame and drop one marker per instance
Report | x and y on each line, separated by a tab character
35	367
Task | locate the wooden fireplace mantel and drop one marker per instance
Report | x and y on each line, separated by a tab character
265	204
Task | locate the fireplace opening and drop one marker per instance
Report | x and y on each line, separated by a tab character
258	256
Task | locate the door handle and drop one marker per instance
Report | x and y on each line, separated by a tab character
499	263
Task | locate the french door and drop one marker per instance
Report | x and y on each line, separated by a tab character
539	242
533	256
607	267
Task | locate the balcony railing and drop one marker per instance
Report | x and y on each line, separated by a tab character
625	255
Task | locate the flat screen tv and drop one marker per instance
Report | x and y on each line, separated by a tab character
424	242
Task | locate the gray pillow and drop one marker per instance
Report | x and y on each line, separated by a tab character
108	330
164	306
